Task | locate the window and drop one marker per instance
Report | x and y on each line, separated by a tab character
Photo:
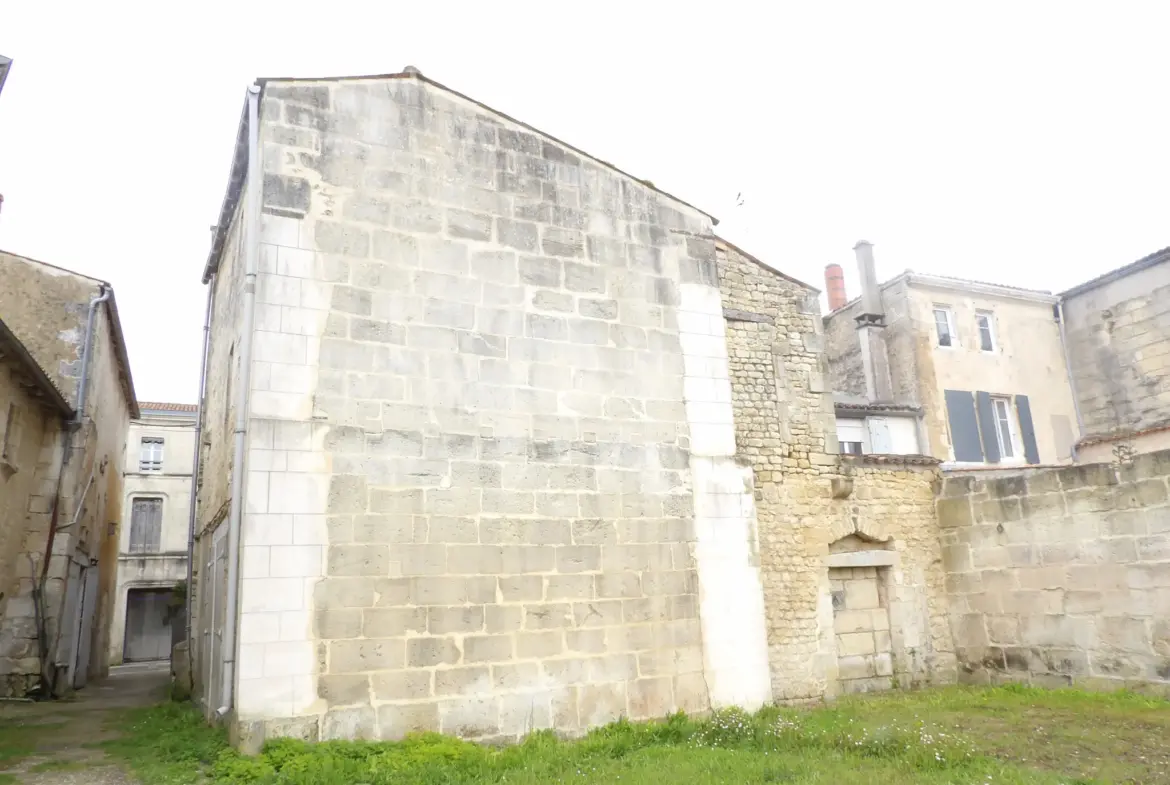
146	526
985	322
851	436
150	457
944	324
10	443
1005	427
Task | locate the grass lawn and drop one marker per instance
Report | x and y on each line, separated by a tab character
1001	736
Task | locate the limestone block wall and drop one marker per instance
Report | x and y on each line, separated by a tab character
1119	353
1061	576
807	496
489	409
843	350
37	429
90	486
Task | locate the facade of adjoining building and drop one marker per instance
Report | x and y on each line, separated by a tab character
152	554
984	363
64	414
1118	331
521	444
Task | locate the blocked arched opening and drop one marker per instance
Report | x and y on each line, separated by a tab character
859	572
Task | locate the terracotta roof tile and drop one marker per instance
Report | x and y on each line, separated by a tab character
156	406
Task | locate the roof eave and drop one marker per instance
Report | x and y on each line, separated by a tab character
123	355
36	372
1146	262
767	267
231	197
986	289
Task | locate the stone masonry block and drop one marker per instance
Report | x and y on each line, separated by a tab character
393	622
358	560
344	690
397	720
487	648
503	618
468	225
364	656
470	718
463	681
539	271
516	234
401	685
343	239
338	623
442	621
428	652
539	644
521	588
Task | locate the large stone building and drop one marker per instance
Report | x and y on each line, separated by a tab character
498	437
984	363
64	414
156	515
1118	331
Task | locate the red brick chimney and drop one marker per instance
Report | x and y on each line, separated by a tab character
835	286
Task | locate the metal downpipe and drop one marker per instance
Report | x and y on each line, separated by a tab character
199	408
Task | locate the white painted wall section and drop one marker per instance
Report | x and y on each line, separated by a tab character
284	532
731	596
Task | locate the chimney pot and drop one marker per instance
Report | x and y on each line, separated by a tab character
835	286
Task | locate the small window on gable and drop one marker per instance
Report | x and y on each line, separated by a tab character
944	325
985	322
150	456
10	439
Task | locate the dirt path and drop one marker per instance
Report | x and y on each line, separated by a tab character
61	736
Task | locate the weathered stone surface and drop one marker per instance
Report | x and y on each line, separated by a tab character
1068	579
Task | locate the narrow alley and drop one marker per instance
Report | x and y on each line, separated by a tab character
58	742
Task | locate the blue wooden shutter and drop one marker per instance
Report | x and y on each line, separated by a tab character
988	426
964	426
1027	432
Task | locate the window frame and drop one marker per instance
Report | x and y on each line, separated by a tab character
10	442
991	331
846	451
1010	420
853	426
952	332
150	459
146	547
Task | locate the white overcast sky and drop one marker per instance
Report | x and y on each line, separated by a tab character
1023	142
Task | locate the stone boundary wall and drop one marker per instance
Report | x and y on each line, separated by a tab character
1060	575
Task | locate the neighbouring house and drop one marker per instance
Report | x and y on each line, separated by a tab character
64	435
497	437
983	362
1117	328
156	513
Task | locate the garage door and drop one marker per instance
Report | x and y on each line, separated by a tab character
148	631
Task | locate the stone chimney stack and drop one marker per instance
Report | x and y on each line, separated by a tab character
835	286
871	295
871	328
